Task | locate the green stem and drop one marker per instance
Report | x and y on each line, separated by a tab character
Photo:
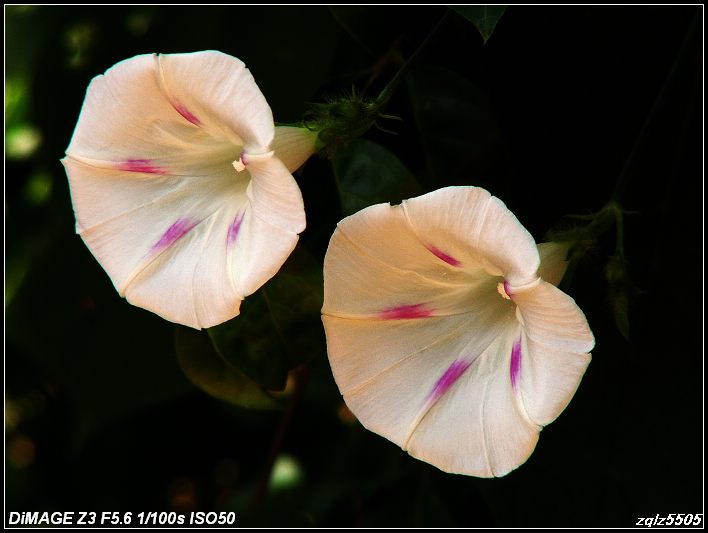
612	213
301	376
276	325
619	231
390	88
630	162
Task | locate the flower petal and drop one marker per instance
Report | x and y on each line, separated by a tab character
189	249
157	197
412	316
438	328
274	194
172	235
101	194
388	372
477	428
478	228
439	388
217	91
293	146
557	340
553	261
260	255
361	350
376	266
128	122
190	281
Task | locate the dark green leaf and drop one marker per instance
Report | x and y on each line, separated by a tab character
210	372
368	174
484	18
250	343
457	125
279	326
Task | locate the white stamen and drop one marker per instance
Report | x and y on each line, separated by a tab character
246	159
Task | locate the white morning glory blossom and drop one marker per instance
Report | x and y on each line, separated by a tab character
182	185
441	334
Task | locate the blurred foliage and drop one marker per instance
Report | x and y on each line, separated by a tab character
209	371
459	131
279	327
99	413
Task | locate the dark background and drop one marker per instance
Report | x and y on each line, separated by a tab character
99	415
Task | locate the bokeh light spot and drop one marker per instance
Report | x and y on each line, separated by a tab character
287	473
21	452
22	141
38	188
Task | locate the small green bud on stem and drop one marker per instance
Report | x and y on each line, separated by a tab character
341	120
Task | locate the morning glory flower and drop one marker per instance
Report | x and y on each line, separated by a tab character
441	334
182	185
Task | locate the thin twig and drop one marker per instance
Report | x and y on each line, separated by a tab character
301	376
388	91
629	163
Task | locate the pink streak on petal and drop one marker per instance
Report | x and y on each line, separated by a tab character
234	229
141	165
437	252
182	110
406	311
507	288
515	366
174	233
448	379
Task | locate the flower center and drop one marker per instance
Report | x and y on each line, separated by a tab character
507	292
503	289
246	159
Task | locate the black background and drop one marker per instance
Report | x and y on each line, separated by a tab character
101	417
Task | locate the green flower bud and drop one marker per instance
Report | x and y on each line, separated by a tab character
340	121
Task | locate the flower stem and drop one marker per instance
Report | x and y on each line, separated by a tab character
390	88
630	163
301	376
612	213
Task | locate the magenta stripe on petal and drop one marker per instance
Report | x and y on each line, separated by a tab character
141	165
507	288
448	379
515	366
406	311
187	114
234	229
174	233
437	252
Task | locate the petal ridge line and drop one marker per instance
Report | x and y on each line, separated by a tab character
433	399
393	267
437	340
178	106
168	195
150	257
209	230
484	427
444	383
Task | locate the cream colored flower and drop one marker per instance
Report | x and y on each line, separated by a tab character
441	335
179	188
